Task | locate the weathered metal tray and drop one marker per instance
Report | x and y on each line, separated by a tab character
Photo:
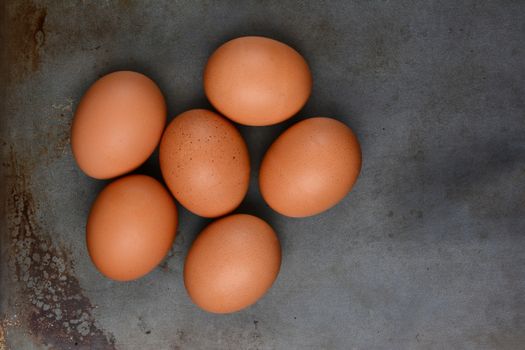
427	252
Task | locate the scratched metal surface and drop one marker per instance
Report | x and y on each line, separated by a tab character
427	252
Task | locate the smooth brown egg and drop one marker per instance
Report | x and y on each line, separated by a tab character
232	263
205	163
131	227
310	167
117	125
255	80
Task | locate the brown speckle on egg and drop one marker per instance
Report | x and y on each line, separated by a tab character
196	166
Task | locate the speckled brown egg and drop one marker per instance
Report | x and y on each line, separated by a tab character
255	80
131	227
310	167
117	125
205	163
232	263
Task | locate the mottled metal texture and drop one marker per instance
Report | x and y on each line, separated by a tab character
427	252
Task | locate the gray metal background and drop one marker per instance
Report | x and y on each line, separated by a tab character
427	252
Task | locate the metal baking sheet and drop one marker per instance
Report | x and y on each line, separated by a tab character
427	251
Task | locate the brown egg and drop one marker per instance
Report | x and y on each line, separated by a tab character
232	263
131	227
205	163
257	81
117	125
310	167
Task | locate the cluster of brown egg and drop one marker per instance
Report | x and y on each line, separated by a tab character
205	164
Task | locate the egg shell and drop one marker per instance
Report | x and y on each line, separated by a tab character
205	163
232	263
131	227
117	124
257	81
310	167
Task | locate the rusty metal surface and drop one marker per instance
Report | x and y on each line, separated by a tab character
427	252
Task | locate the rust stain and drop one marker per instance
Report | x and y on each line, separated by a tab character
26	35
3	345
125	3
49	298
5	325
59	133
